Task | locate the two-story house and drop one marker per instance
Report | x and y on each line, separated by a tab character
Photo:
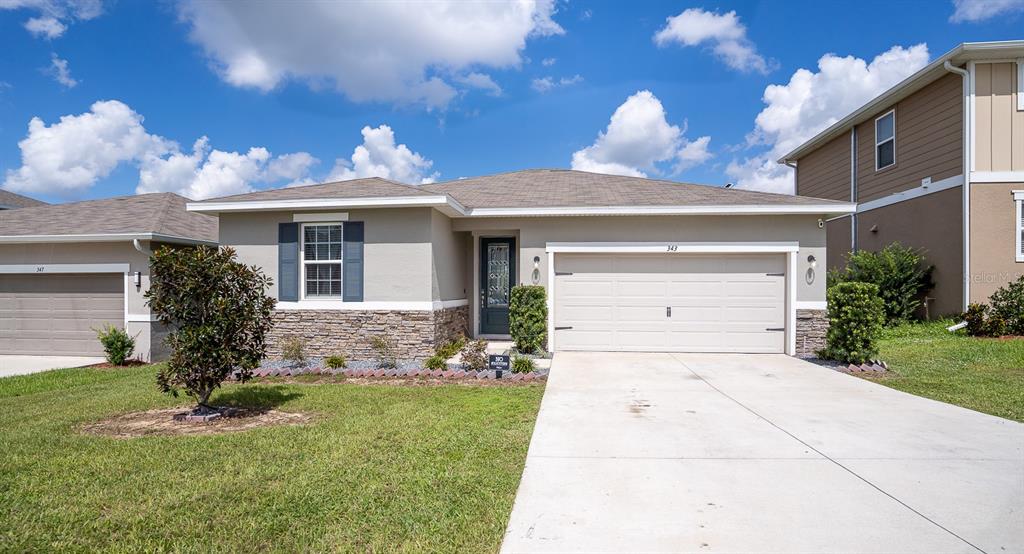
936	162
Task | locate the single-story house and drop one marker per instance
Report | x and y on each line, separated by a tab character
12	201
629	264
68	269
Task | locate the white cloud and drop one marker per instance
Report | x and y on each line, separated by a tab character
480	81
810	102
379	156
46	27
980	10
724	32
371	51
60	72
548	62
637	139
547	84
66	158
54	15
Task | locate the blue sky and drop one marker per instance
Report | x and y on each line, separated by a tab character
281	95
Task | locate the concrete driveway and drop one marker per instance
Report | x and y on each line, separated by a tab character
22	365
759	453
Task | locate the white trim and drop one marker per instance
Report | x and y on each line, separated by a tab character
674	247
65	268
910	194
140	318
1020	84
322	216
425	306
893	139
103	237
969	148
1018	200
811	305
735	209
790	249
997	176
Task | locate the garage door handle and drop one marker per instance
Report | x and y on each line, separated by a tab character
563	328
775	329
776	274
563	273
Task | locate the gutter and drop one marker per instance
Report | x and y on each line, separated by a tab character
103	237
968	164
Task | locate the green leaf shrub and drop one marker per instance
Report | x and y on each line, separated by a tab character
1008	306
385	350
528	317
436	362
218	314
856	314
976	318
451	348
118	346
522	364
900	272
338	361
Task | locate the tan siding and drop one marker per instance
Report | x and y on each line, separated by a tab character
837	242
999	131
993	241
825	173
929	141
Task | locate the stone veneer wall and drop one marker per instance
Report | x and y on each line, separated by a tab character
348	332
811	326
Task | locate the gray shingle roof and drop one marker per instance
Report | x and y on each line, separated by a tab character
536	188
565	187
9	200
159	213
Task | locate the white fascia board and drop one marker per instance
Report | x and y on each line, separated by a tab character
43	269
437	201
754	209
673	247
997	176
102	237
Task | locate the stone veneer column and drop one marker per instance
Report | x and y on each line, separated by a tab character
811	327
328	332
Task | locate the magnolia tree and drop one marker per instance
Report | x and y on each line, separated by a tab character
218	315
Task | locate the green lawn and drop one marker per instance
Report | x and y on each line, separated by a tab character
382	468
986	375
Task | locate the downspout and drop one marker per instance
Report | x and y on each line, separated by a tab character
138	246
968	164
853	187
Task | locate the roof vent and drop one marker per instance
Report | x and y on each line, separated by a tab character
728	185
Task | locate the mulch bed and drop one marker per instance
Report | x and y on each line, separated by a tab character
415	376
161	423
336	379
127	363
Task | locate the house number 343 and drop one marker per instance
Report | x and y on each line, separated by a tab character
672	248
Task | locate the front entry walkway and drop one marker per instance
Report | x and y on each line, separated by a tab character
759	453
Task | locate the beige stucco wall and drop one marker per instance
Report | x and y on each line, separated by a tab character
999	125
397	249
993	229
448	260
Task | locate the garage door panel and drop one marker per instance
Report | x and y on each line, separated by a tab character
58	314
720	303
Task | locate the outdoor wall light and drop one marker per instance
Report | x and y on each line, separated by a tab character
536	270
812	260
138	279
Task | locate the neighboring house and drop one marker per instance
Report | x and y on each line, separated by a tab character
901	158
68	269
10	201
628	263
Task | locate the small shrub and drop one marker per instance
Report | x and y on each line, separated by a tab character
900	272
474	355
1008	306
386	351
856	314
522	364
451	348
976	318
337	361
436	362
293	350
117	344
528	317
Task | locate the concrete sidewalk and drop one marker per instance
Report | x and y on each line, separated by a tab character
759	453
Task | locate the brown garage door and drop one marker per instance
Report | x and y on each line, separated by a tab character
57	314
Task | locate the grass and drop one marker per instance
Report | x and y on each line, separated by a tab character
382	468
982	374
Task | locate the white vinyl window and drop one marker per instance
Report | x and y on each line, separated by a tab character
1018	200
885	140
321	260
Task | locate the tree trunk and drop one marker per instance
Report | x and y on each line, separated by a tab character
201	398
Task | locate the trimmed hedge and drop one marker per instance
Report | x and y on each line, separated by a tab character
528	317
856	314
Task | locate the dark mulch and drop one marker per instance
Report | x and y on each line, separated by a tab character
127	363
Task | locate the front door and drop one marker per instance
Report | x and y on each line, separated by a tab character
497	274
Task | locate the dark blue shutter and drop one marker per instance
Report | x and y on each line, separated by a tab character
288	262
352	263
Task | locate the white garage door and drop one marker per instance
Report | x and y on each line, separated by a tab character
57	314
671	303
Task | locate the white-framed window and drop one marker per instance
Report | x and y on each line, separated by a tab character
321	260
1020	84
885	140
1018	200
